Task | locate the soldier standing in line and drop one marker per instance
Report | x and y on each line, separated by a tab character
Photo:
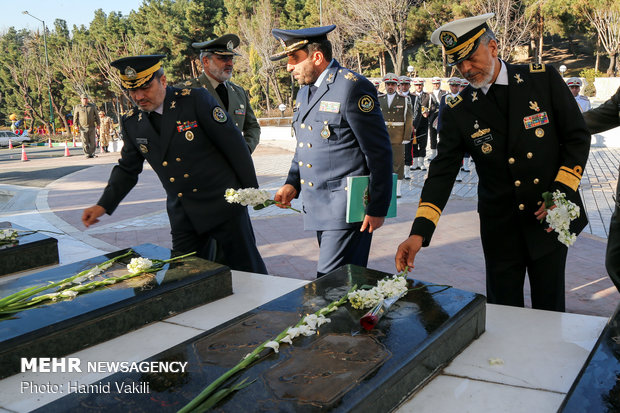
404	86
398	116
106	129
527	137
421	112
217	57
87	121
574	84
436	96
340	132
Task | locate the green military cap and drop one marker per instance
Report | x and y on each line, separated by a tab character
83	96
137	70
223	45
460	38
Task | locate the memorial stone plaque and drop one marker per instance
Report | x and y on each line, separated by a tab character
340	369
597	386
64	327
28	251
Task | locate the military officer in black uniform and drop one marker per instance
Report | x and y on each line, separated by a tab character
217	57
436	95
604	117
340	133
527	136
197	153
421	112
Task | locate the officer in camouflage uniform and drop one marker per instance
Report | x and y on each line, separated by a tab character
106	129
86	119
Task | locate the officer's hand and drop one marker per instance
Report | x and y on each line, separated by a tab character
372	223
285	195
90	215
541	214
407	251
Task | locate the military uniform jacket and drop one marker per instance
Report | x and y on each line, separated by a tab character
85	117
398	118
422	104
604	117
542	146
239	108
106	127
197	156
340	132
434	106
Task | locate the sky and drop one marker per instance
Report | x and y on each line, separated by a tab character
72	11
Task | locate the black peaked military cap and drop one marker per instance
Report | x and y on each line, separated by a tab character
137	70
223	45
460	38
292	40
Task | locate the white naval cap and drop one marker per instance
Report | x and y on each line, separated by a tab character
460	38
574	81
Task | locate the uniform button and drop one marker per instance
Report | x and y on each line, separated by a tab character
180	194
194	190
309	127
310	184
236	124
511	160
309	165
300	163
521	207
303	126
186	176
517	183
178	159
530	155
346	188
301	144
164	163
536	181
171	179
539	203
302	181
309	145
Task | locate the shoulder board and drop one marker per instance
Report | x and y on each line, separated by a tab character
537	67
453	101
129	113
350	76
182	92
188	83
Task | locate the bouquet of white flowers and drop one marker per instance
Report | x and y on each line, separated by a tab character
254	197
560	213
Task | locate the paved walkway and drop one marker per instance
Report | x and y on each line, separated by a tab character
455	256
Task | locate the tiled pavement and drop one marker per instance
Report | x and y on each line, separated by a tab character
454	257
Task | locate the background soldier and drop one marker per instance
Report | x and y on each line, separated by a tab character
217	57
86	119
527	137
436	96
574	84
197	153
398	116
106	129
421	112
340	132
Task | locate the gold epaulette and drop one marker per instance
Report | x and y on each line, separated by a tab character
429	211
537	67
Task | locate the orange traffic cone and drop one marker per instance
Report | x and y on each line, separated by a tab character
10	144
24	156
49	142
74	145
67	153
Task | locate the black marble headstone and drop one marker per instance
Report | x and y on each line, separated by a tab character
29	251
65	327
340	369
597	386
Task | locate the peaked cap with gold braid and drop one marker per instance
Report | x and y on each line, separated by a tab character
460	38
293	40
137	70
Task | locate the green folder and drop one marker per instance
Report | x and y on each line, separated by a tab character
357	198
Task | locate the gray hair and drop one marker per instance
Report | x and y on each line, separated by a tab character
487	36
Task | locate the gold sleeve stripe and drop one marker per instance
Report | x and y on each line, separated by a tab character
428	211
568	177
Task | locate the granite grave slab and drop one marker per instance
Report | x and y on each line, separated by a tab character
597	386
340	369
64	327
28	251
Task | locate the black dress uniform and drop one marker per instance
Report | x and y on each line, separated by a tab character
197	154
604	117
340	132
531	140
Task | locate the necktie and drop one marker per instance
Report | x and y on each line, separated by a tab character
155	119
499	95
313	89
223	94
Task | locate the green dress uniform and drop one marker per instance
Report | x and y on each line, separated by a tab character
607	116
399	123
238	109
87	120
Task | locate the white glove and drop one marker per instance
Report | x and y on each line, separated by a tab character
406	142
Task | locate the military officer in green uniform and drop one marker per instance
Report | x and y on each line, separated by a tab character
398	115
526	134
86	119
217	57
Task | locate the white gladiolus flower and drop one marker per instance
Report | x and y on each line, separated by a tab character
287	339
293	332
560	217
306	330
247	196
68	294
274	345
137	265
